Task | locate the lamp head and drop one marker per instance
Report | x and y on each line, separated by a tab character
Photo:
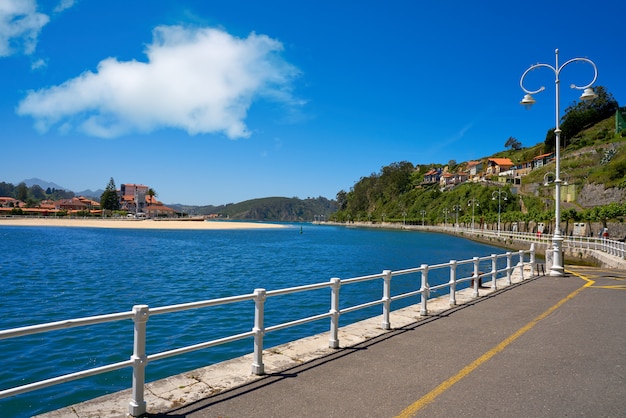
528	101
588	95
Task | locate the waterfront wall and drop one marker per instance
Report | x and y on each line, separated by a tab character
508	240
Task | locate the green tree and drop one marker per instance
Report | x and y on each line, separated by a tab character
109	199
152	193
580	115
21	192
513	143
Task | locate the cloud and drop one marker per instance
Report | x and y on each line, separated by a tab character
20	24
201	80
63	5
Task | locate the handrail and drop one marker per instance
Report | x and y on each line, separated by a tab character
603	244
141	313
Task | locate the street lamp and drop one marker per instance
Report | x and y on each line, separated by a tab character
473	203
457	209
403	219
445	213
528	101
500	194
423	213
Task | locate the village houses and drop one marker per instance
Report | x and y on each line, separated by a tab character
134	199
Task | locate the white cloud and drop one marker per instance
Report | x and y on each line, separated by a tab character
64	4
20	24
199	80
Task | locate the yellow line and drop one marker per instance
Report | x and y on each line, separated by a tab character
412	409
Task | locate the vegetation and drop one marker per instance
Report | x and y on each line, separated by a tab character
593	153
281	209
32	195
109	199
582	115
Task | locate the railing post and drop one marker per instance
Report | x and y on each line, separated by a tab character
476	280
494	271
452	282
425	290
386	299
137	404
333	341
521	264
259	331
509	269
532	261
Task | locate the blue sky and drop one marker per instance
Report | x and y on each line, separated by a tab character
215	102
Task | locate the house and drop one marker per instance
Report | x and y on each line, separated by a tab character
474	168
133	197
543	159
498	165
154	211
71	204
9	202
432	176
452	179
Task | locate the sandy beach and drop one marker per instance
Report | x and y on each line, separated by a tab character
137	223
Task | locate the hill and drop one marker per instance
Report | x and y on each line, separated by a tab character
281	209
593	164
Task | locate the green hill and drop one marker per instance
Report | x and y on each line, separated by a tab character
593	164
281	209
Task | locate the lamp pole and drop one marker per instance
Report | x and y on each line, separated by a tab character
445	214
528	100
423	212
457	209
473	203
500	193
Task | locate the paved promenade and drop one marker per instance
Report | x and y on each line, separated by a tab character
545	347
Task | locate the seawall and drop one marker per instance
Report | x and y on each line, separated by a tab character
577	256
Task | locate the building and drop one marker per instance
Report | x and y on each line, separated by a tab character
133	197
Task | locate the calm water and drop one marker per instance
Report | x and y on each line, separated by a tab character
50	274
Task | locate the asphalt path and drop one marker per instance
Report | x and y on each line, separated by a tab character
547	347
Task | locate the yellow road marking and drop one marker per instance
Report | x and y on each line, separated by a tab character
412	409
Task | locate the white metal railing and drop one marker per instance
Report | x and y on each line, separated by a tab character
606	245
141	313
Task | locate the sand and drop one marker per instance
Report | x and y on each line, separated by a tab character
137	223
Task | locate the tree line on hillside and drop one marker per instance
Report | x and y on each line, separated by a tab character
33	195
281	209
580	115
398	192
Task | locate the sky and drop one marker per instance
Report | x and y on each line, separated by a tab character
215	102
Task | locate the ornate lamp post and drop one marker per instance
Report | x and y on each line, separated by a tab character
423	213
473	203
528	101
457	209
445	214
500	194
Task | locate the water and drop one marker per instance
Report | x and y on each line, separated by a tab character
50	274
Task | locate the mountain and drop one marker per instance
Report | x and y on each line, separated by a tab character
91	193
43	184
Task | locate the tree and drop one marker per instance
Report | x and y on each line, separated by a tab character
152	193
580	115
37	192
109	199
21	192
513	144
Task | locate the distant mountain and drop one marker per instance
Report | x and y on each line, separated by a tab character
91	193
43	184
